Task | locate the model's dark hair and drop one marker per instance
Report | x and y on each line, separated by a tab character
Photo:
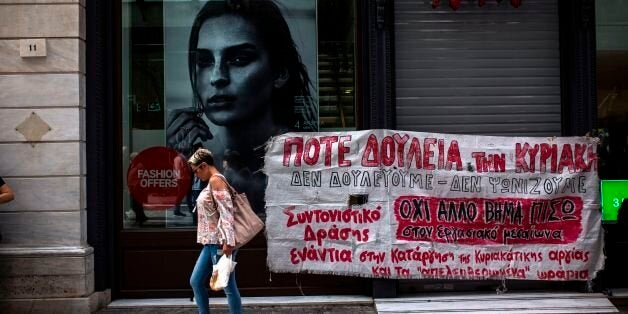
275	35
234	159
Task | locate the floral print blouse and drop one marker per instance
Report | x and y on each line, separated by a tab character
215	223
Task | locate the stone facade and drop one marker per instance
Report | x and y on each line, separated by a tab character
46	265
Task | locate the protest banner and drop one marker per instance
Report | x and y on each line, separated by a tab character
434	206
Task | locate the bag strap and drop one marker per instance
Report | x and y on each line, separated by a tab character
211	194
232	190
232	193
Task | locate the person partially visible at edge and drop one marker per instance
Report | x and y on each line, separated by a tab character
215	231
249	81
6	194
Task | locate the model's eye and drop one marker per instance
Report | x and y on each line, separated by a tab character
204	59
242	59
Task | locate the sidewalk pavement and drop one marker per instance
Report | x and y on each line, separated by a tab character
263	305
461	302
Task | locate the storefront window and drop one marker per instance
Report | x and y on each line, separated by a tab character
612	110
612	87
227	76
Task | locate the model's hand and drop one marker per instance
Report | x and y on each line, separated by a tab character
184	128
226	249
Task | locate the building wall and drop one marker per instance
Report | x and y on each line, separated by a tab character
46	264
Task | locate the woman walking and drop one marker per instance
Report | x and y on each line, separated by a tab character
215	231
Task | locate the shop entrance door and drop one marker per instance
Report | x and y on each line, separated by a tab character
160	54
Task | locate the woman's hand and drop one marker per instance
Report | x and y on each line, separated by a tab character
226	249
185	127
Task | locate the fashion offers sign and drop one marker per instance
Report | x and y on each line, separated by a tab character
433	206
158	178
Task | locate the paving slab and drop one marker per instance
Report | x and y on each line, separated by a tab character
263	305
472	303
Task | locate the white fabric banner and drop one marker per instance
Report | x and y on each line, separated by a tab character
433	205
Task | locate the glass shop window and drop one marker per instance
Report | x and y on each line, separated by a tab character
612	102
228	75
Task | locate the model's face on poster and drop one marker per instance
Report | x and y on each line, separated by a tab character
234	76
238	80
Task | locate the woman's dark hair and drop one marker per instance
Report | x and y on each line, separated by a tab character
274	33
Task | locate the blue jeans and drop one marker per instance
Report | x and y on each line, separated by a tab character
202	270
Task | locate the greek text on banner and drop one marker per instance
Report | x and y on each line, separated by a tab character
436	206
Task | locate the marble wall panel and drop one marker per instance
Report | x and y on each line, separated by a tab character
49	265
45	194
47	305
45	286
40	1
42	159
34	21
64	124
41	229
63	55
42	90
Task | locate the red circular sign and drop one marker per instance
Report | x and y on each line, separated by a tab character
159	177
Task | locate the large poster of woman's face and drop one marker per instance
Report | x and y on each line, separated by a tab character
236	74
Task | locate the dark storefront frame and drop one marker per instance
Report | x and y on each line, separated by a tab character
102	138
577	66
375	106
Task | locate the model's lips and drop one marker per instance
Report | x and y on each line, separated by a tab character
221	100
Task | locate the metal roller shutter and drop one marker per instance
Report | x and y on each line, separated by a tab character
492	70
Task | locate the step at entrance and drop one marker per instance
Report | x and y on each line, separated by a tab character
470	303
261	305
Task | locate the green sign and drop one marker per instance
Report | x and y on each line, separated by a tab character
613	193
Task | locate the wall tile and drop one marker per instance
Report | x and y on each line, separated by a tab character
64	124
82	124
40	1
43	286
63	55
83	195
83	234
82	23
11	266
41	20
82	91
83	156
41	229
44	159
45	194
42	90
47	305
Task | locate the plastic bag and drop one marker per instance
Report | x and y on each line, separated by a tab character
221	272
